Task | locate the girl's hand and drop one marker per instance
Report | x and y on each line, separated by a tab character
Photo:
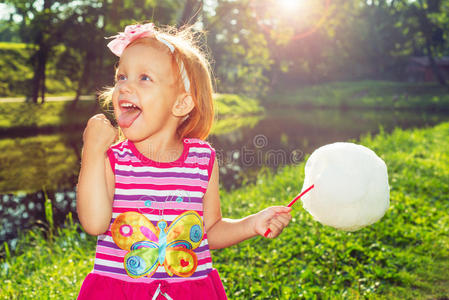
99	134
275	217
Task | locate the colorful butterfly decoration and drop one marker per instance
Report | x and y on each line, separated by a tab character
150	247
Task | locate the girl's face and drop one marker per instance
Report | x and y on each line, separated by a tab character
144	92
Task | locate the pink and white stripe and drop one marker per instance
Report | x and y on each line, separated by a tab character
158	191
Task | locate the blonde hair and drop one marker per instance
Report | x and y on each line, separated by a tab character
196	64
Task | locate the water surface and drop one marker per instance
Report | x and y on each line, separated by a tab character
30	164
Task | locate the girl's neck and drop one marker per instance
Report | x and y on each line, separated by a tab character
161	148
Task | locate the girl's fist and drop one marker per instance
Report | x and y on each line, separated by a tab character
99	133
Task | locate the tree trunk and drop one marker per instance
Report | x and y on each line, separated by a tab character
35	85
43	76
190	13
39	70
80	86
86	70
44	48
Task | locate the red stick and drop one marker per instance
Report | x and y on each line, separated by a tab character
291	203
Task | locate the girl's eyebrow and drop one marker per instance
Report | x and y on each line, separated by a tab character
143	68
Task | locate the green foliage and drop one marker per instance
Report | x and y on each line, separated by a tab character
239	50
403	256
365	94
17	73
79	30
227	105
255	45
49	216
9	32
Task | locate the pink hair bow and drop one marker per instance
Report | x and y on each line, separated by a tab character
131	33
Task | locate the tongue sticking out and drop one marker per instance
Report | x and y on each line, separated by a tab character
127	117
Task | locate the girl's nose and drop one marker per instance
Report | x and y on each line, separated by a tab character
125	87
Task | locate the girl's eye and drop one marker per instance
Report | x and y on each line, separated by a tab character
120	77
145	77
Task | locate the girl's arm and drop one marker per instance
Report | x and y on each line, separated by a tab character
95	187
222	233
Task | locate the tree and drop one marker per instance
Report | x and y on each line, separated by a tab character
80	29
40	28
191	12
239	49
432	32
426	26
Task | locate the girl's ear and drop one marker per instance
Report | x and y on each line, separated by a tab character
183	105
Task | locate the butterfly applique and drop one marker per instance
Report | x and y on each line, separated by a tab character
150	247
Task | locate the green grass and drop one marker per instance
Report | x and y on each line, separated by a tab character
50	268
403	256
8	45
365	94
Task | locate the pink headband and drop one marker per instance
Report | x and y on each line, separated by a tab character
134	32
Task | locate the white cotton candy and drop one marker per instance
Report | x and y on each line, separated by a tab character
351	186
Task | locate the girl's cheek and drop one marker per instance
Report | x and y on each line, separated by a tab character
115	100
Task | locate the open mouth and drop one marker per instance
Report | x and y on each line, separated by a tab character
129	112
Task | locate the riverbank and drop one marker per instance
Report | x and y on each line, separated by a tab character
403	256
365	94
27	118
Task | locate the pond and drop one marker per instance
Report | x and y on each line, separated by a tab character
51	162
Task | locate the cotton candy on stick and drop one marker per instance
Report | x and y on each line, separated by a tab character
348	186
351	186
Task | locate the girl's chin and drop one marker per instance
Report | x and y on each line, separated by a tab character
133	135
130	134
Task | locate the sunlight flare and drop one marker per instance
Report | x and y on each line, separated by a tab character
290	5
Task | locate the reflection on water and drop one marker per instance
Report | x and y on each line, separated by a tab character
285	136
243	146
29	163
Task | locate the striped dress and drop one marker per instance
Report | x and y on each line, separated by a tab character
158	191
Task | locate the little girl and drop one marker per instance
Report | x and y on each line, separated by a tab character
153	198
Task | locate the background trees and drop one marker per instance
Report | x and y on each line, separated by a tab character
255	45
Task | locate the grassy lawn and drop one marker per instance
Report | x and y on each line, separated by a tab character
20	116
365	94
403	256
